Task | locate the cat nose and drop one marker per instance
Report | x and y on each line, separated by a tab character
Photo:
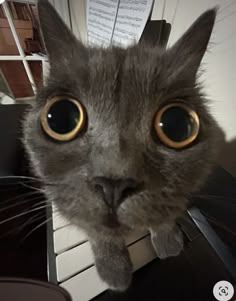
114	192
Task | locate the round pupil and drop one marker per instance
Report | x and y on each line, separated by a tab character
177	124
63	116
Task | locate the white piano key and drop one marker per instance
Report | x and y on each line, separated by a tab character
68	237
87	284
80	257
54	207
134	235
59	221
73	261
142	252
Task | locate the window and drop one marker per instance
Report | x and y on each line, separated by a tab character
23	61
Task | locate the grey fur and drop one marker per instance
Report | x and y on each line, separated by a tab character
121	91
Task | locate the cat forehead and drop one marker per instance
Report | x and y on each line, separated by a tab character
135	56
114	69
117	68
113	75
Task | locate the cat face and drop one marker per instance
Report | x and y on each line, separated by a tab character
117	172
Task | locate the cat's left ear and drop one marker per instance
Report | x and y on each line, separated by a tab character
60	43
186	55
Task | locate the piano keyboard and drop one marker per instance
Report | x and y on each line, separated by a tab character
75	270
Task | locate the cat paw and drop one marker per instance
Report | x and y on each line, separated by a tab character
167	241
115	268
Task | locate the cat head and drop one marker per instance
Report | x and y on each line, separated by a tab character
121	137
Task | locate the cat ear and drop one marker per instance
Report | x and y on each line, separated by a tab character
60	43
186	55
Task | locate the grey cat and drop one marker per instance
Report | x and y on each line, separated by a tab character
119	170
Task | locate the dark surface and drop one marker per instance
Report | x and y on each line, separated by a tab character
190	276
217	201
21	254
12	289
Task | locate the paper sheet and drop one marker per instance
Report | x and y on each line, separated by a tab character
131	19
101	16
118	22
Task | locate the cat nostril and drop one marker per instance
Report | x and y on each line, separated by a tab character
128	192
98	188
114	192
106	190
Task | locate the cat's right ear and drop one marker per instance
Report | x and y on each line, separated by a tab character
187	53
60	43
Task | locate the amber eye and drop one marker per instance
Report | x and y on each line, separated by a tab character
63	118
177	125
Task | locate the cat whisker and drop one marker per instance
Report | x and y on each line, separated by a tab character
15	185
37	227
40	203
15	198
28	179
17	230
21	203
23	213
12	187
34	218
32	187
20	177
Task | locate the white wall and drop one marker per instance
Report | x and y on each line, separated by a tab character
78	19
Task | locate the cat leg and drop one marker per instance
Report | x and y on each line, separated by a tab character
113	263
167	240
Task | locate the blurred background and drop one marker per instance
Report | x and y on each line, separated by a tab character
21	52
